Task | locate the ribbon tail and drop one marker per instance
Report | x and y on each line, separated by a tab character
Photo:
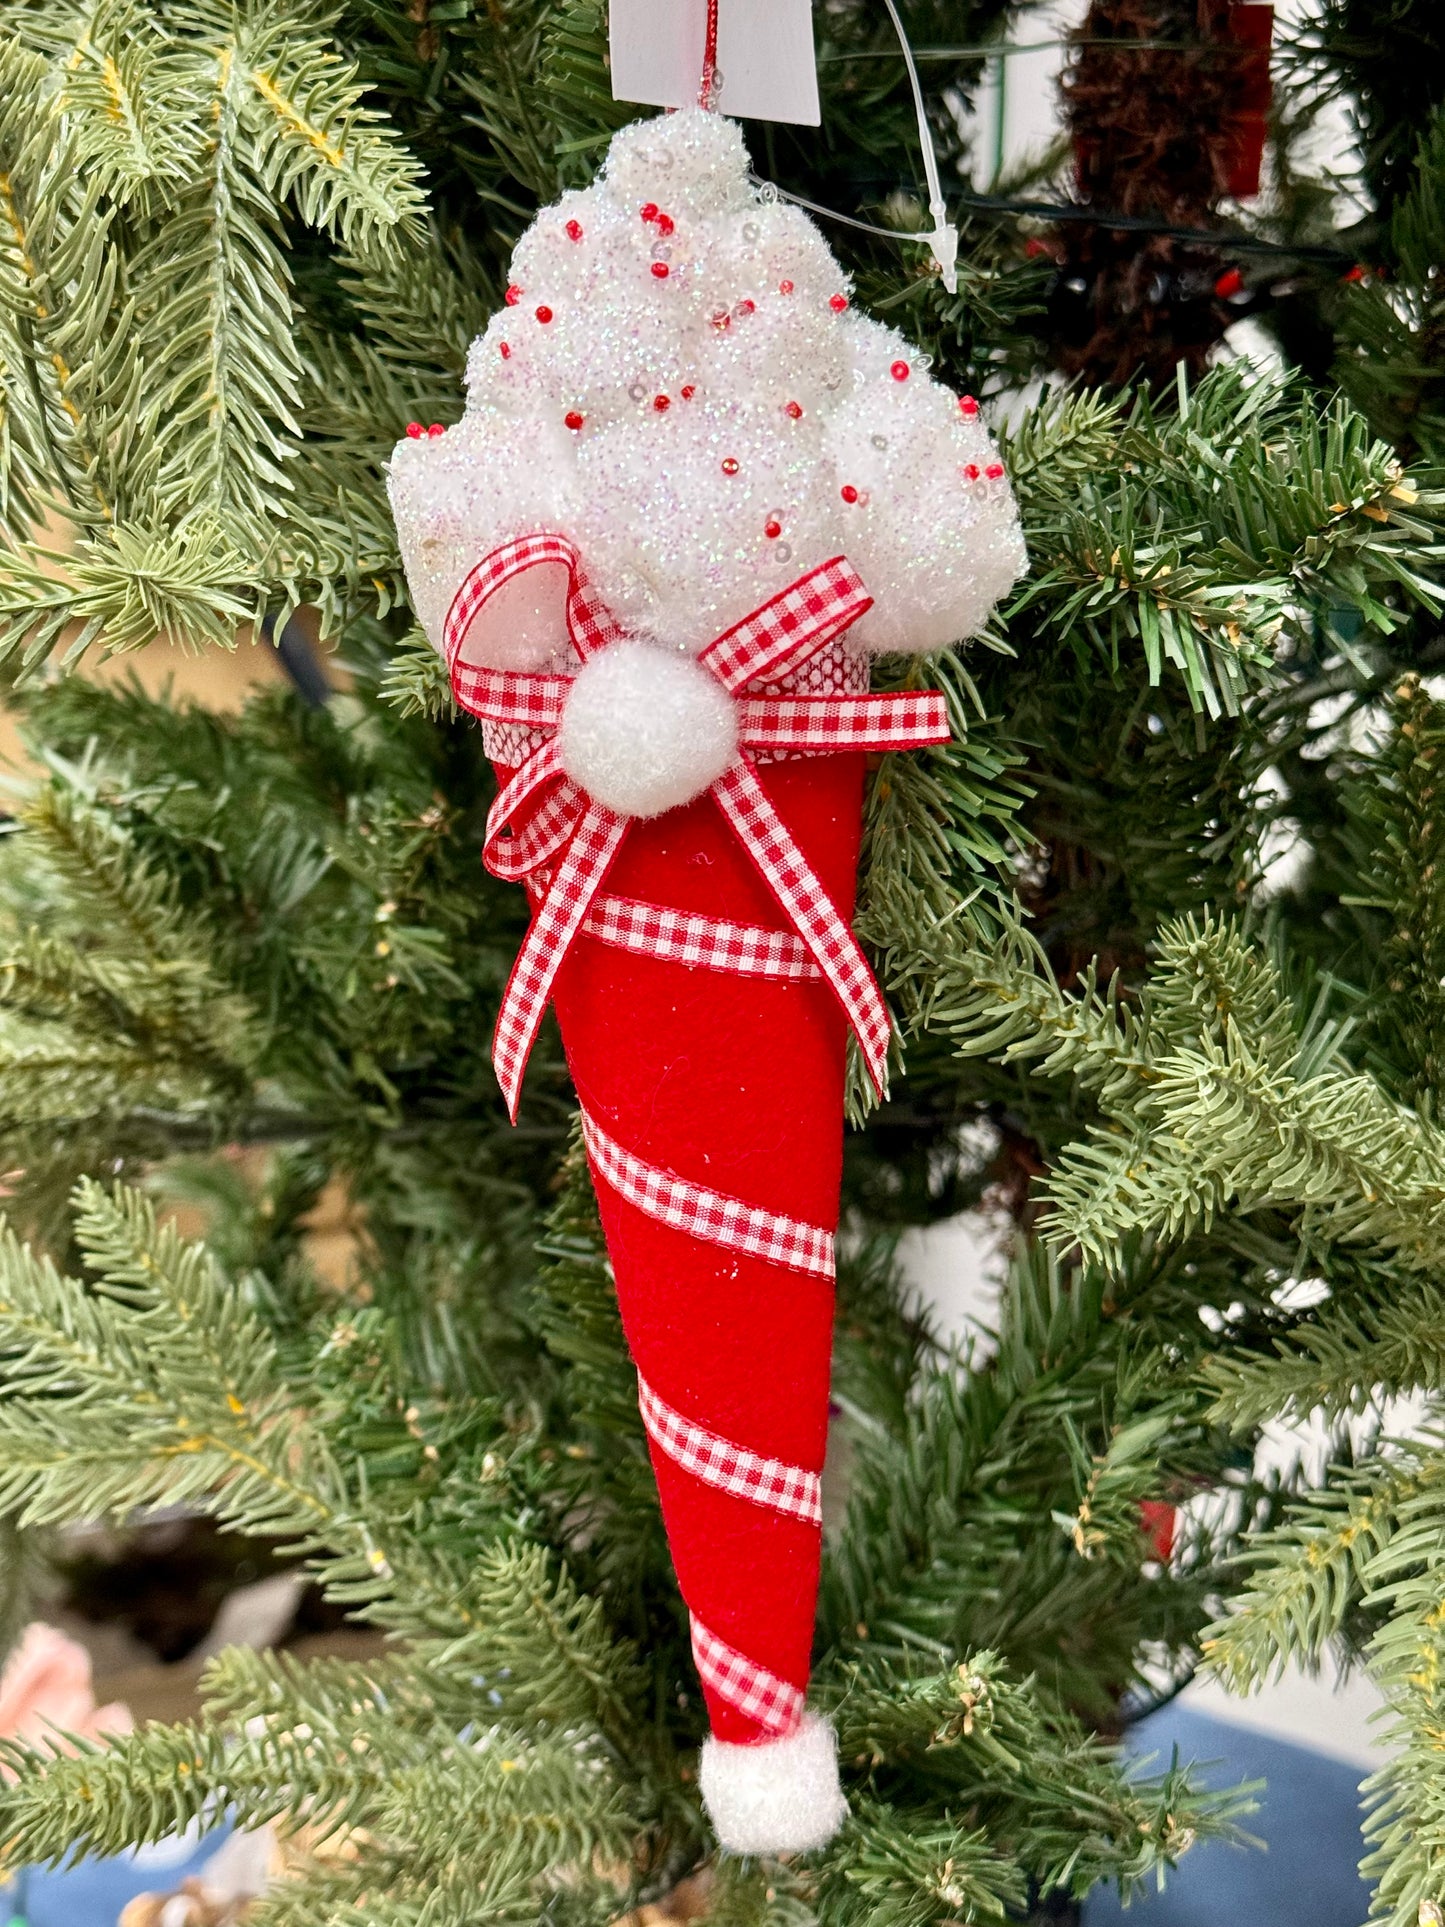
554	928
811	911
546	825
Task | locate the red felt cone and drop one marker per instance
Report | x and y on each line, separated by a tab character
733	1085
707	1041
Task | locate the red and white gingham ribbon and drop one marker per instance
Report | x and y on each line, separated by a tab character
555	827
698	942
752	1689
710	1215
789	1489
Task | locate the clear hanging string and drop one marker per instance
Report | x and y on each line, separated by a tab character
944	239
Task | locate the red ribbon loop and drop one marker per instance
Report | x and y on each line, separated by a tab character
550	818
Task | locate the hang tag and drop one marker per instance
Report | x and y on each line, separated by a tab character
764	54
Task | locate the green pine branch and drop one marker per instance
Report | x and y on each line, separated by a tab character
1205	537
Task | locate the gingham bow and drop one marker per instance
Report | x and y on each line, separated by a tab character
549	816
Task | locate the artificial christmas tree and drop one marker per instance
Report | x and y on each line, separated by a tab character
248	956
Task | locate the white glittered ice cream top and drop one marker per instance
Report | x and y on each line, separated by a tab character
679	385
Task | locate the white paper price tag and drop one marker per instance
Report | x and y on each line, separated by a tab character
764	55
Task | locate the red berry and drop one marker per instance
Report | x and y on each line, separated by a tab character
573	230
544	314
794	409
1356	273
436	429
838	302
665	224
994	471
662	403
848	492
785	287
661	270
648	210
900	371
722	320
689	392
730	465
969	471
414	429
1034	247
1230	282
573	419
967	406
506	351
746	307
772	530
514	295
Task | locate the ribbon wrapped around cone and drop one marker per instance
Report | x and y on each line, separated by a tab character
705	978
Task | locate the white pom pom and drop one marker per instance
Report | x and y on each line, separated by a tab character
780	1797
646	729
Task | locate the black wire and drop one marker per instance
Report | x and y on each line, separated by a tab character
1224	239
1003	49
1136	224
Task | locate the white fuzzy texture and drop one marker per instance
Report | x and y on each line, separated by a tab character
781	1797
676	542
646	729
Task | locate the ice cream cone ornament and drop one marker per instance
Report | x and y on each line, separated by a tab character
693	491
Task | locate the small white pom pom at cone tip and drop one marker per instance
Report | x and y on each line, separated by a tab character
781	1796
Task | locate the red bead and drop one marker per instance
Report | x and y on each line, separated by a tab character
1230	282
506	351
662	403
730	465
967	406
573	419
514	295
414	429
544	314
994	471
772	530
785	287
722	320
665	224
794	409
573	230
746	307
661	270
648	210
969	471
900	371
436	429
688	392
848	492
838	302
